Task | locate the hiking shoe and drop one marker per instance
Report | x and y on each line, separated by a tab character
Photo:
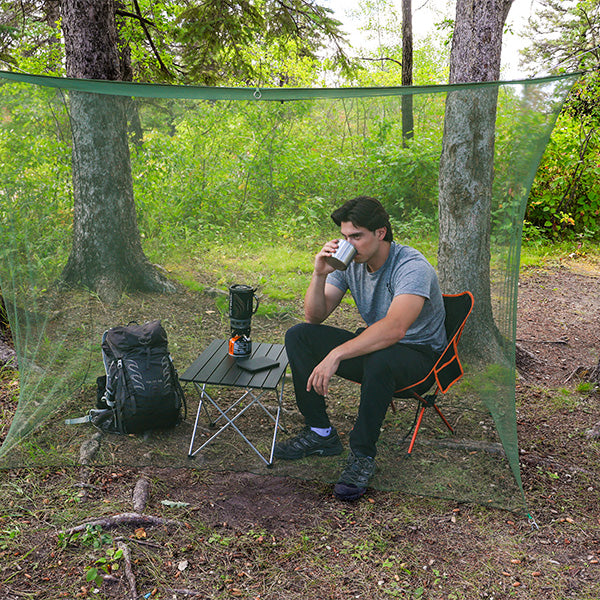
306	443
354	478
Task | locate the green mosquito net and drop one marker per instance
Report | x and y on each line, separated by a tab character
129	202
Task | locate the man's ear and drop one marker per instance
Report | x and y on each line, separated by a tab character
380	233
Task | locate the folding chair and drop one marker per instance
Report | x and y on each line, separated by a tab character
447	370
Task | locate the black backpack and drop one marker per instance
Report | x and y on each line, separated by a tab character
141	389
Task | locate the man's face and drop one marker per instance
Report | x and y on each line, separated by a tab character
366	242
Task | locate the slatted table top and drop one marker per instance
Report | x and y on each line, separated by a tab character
216	367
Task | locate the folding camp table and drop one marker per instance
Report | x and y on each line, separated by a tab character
215	367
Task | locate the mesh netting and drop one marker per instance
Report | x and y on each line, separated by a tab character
258	171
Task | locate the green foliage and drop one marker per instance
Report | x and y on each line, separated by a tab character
91	537
564	36
255	42
238	40
582	103
564	202
405	178
243	173
7	536
105	564
280	168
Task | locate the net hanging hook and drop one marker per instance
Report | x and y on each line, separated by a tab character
257	94
534	526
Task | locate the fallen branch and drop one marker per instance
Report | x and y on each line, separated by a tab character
140	494
128	569
561	341
139	542
89	448
128	519
469	445
577	371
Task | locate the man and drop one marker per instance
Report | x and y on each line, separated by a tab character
398	296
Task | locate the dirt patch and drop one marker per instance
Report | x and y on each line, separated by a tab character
558	322
248	501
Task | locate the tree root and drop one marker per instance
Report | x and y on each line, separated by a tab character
127	519
87	452
128	570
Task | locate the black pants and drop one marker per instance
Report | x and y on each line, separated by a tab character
379	373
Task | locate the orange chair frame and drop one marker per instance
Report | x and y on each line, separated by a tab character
448	368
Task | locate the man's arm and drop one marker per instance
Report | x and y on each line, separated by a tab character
321	297
402	313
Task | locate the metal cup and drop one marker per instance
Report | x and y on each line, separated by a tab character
343	256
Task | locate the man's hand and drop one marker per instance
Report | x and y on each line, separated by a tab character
322	267
322	374
402	313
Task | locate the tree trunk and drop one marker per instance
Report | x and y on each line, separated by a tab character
107	255
407	71
467	167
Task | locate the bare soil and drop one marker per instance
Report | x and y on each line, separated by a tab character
559	322
251	536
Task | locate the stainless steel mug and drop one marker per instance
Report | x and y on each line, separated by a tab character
343	256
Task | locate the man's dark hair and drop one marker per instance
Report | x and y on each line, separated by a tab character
364	212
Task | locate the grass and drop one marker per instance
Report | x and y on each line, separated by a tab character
542	253
280	268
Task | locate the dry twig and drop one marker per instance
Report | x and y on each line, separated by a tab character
128	569
128	519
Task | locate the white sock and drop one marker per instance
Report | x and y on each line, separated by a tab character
322	431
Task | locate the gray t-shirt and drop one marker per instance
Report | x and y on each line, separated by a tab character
406	271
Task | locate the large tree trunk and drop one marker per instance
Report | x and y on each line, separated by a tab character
407	71
107	255
467	167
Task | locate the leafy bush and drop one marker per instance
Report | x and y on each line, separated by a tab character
565	198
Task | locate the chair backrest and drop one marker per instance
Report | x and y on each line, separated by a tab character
448	369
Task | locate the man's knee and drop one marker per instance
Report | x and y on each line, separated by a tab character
296	334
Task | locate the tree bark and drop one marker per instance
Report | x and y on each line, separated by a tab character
467	167
107	254
408	125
